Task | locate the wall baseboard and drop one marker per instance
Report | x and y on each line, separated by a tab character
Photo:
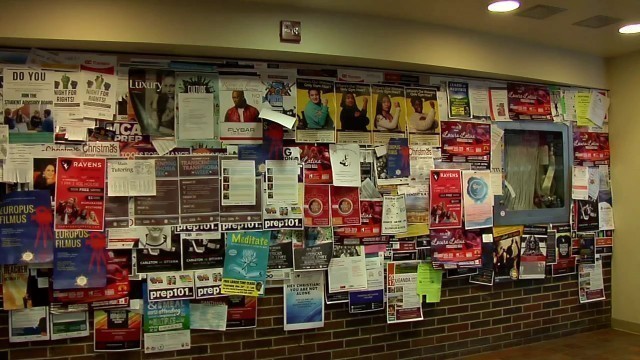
624	325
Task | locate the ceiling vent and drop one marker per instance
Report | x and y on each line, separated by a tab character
598	21
540	12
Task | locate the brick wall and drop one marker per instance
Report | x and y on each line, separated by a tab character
469	319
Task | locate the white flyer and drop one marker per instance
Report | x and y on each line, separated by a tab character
196	120
99	95
29	324
394	215
499	104
345	163
4	141
347	268
282	181
131	177
18	166
580	183
421	162
67	87
69	325
238	182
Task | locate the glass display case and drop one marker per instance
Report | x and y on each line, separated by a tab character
536	187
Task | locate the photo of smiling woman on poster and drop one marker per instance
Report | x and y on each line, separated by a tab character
387	118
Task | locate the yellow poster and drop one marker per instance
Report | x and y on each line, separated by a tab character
390	113
354	113
316	111
423	117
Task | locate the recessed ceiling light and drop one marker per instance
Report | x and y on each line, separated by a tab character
630	29
504	6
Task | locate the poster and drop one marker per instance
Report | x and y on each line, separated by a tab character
445	200
403	301
586	214
27	94
498	99
238	182
14	287
347	269
478	199
394	215
369	231
429	283
281	248
240	104
591	148
398	158
317	211
485	274
199	189
243	217
345	205
506	243
282	181
44	175
566	262
316	164
160	258
26	229
590	282
466	142
459	99
279	88
389	117
152	101
99	95
69	325
170	286
345	163
533	252
79	259
316	111
456	248
314	250
417	203
202	250
67	91
209	315
166	326
242	311
131	177
529	102
479	97
304	301
117	330
208	283
29	324
128	135
587	247
354	113
423	117
245	263
196	108
80	194
163	208
421	162
372	298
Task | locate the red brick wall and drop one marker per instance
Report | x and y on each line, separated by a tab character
469	319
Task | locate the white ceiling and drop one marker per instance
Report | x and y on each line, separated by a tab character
556	31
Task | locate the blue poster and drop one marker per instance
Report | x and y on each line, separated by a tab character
366	300
398	158
245	263
304	301
26	228
79	260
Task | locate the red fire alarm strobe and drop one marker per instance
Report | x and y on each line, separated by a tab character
290	31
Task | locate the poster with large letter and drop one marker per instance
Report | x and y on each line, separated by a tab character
529	102
152	101
26	228
80	194
245	263
466	142
304	301
446	199
79	260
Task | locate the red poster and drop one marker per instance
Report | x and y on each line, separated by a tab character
445	202
80	194
316	205
370	229
317	164
456	247
345	205
528	102
466	142
591	148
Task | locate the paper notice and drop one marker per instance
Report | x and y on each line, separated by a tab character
18	167
345	163
238	182
196	116
580	183
131	177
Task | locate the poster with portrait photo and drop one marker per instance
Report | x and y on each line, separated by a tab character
586	214
354	108
316	205
506	252
44	175
314	251
389	113
316	111
345	205
279	89
423	116
445	200
240	104
152	101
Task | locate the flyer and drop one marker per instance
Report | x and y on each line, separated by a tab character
485	274
79	260
116	330
164	207
279	88
459	100
552	251
479	97
423	115
591	148
445	199
587	247
14	287
208	283
131	177
590	282
209	315
243	217
4	141
498	99
69	325
170	286
28	93
403	301
394	214
242	311
345	206
199	189
604	242
533	252
429	283
99	95
354	113
317	211
44	175
478	199
80	194
29	324
166	326
585	214
152	102
202	250
345	163
506	242
26	229
529	102
284	216
304	301
281	248
398	158
282	181
347	268
196	108
128	136
451	248
161	258
240	101
316	164
466	142
369	231
316	111
314	251
245	263
384	181
566	262
417	202
238	182
389	118
421	163
67	90
372	298
605	210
